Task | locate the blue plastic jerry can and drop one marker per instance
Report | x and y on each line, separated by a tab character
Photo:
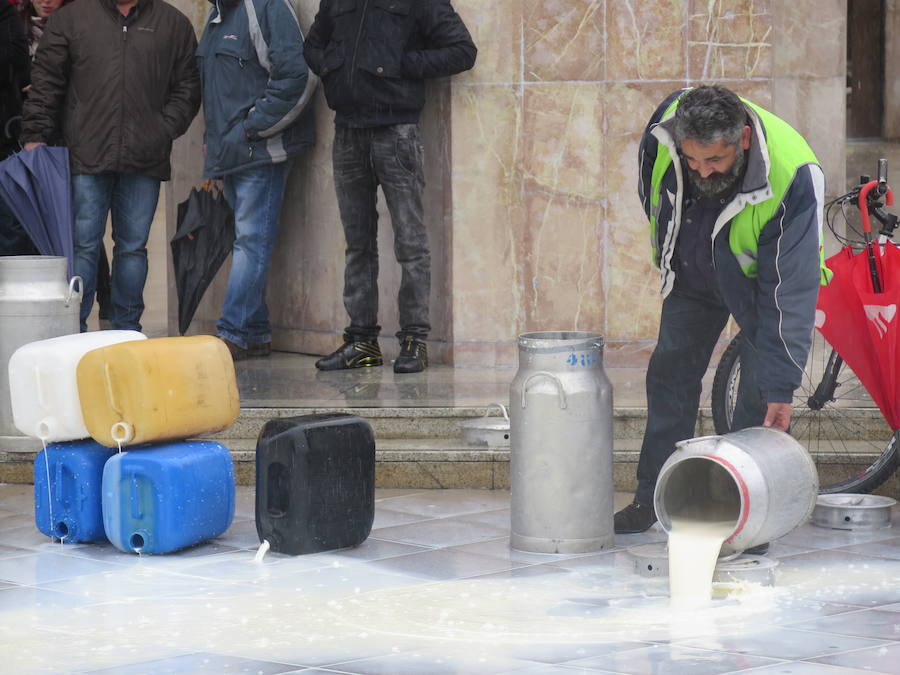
67	490
162	498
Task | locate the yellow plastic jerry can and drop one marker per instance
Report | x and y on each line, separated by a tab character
157	390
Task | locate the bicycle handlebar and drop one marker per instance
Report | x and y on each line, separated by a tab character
864	206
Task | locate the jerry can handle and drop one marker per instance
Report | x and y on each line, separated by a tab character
559	387
110	394
76	280
39	387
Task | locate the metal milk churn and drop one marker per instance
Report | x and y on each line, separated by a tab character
760	478
36	303
561	444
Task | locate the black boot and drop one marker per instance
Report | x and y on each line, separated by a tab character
352	354
634	518
413	356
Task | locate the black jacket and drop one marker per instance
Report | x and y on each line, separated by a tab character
119	89
13	69
374	55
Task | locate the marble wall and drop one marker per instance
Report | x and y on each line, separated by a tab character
533	214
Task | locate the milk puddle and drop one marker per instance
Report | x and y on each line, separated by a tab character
694	547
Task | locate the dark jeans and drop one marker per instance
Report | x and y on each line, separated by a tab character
392	157
131	200
14	240
688	331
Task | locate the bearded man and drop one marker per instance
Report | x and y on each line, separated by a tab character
734	196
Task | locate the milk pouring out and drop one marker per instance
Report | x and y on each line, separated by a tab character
718	495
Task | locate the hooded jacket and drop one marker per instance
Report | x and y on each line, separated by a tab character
256	86
769	271
374	55
120	89
13	73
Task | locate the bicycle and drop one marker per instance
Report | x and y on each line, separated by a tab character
833	414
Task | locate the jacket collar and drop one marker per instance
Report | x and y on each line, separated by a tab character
112	6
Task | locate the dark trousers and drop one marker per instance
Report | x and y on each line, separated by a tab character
391	157
689	329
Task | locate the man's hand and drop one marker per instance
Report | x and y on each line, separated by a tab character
778	416
33	145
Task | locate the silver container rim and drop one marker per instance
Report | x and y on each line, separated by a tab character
560	340
30	259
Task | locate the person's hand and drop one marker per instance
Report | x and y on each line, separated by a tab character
26	88
778	416
32	145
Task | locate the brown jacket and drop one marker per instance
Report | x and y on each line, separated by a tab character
118	89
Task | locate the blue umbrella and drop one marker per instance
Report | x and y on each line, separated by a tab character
36	186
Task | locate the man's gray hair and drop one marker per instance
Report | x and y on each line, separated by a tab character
710	114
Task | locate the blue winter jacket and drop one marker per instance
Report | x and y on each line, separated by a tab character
256	86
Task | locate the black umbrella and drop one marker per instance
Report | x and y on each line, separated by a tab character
203	240
37	188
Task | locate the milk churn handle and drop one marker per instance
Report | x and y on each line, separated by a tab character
497	405
72	283
559	387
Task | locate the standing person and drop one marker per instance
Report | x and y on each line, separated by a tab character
13	74
257	88
734	196
119	78
373	59
34	15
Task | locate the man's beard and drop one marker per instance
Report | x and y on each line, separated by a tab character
719	184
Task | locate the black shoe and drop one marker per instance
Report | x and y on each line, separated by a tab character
634	518
352	354
259	349
413	356
762	549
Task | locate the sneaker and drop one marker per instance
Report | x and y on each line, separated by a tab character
237	353
413	356
352	354
762	549
258	349
634	518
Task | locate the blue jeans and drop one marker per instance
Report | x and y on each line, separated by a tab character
392	157
132	201
688	332
255	194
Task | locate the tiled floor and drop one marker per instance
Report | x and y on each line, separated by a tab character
435	589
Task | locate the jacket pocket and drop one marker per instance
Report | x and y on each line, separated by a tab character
149	139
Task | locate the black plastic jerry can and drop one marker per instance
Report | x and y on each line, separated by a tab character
315	483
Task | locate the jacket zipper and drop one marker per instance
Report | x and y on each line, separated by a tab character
362	20
122	95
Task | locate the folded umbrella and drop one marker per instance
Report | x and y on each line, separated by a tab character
36	186
202	242
862	323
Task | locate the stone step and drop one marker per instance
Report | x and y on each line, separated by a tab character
423	447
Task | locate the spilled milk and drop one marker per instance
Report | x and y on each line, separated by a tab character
694	547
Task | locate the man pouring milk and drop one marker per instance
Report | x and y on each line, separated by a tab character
734	196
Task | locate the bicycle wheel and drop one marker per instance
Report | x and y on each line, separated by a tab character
846	436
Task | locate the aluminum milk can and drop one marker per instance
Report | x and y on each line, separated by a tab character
561	444
36	303
760	478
